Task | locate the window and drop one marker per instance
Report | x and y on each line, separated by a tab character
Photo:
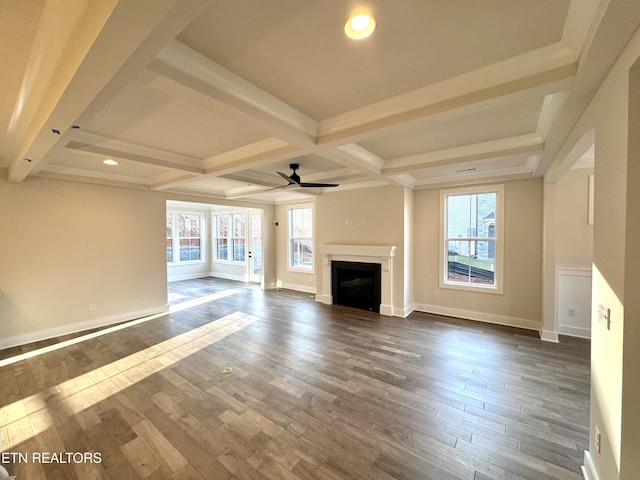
300	219
230	241
169	237
239	235
184	237
471	233
222	237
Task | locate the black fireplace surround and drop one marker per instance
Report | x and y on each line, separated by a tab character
355	284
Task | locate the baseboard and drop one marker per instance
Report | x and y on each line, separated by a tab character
574	331
403	312
326	299
80	327
549	336
386	310
191	276
300	288
478	316
228	276
589	471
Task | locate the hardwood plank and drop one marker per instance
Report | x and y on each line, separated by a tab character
163	450
328	393
140	457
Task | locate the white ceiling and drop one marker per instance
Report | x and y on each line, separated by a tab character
212	97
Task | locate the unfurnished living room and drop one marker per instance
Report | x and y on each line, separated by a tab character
327	239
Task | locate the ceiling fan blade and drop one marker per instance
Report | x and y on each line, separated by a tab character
276	188
319	185
290	180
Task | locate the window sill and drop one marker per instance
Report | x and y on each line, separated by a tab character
309	271
496	290
185	263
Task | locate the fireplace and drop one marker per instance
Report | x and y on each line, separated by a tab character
356	284
380	255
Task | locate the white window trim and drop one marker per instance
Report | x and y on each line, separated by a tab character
297	206
498	287
176	238
230	238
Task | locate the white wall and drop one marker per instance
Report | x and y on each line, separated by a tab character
520	304
573	302
369	216
573	253
615	376
574	239
65	246
409	226
630	437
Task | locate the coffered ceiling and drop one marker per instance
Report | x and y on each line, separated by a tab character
213	98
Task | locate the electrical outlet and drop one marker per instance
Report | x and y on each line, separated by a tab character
598	440
571	312
93	307
435	294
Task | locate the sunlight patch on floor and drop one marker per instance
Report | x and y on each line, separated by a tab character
175	296
201	300
25	418
172	309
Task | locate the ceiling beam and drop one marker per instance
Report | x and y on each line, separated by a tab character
506	175
362	160
169	179
57	171
550	111
530	143
338	175
257	153
532	69
359	158
184	65
59	49
255	179
133	157
229	92
581	25
263	152
568	156
76	53
296	131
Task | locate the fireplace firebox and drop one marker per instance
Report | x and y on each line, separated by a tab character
356	284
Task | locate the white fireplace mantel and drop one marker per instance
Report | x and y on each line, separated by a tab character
382	254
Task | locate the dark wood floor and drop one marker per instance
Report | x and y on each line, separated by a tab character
315	392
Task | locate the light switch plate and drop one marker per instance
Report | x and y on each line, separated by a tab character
604	315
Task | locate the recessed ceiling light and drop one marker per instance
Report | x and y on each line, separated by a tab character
109	161
360	26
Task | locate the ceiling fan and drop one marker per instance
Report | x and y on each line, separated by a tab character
294	179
